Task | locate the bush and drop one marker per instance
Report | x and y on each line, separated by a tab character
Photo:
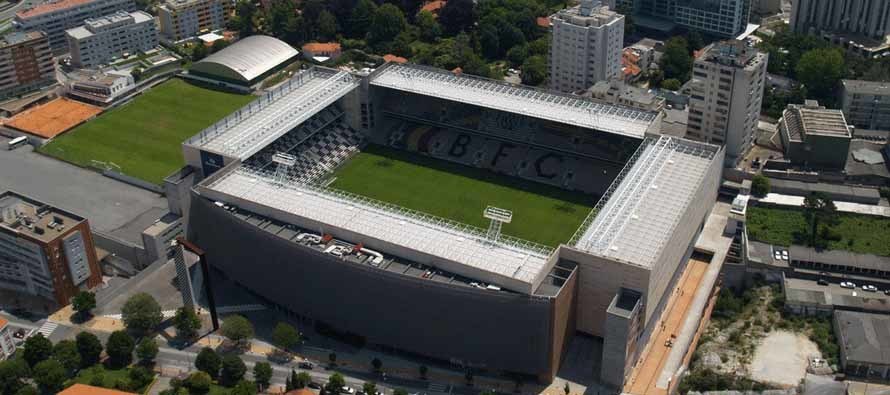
760	186
198	383
709	380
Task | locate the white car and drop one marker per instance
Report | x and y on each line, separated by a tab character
784	255
777	254
347	390
848	285
870	288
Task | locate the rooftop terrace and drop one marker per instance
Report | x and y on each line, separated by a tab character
38	221
516	99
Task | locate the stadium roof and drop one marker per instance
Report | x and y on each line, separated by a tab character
247	58
248	130
642	208
517	99
510	263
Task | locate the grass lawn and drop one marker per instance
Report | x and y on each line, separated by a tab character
858	233
110	376
542	214
144	136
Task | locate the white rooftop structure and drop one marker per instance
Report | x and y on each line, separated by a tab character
247	59
642	208
254	126
517	99
459	248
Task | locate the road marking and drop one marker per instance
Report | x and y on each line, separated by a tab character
438	387
47	328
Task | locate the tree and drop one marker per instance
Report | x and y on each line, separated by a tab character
208	361
285	336
369	388
142	312
399	391
237	329
818	209
28	390
423	370
377	364
301	380
244	387
335	383
820	71
147	350
430	29
218	45
243	19
140	377
199	51
233	370
50	375
84	301
671	84
457	16
517	54
361	19
534	70
332	358
89	347
262	374
760	185
566	388
489	41
199	382
13	372
187	323
66	353
388	22
468	376
37	348
676	61
137	73
327	26
695	40
120	348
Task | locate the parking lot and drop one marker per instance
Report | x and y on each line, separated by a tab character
112	207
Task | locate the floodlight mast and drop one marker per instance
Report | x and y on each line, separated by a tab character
284	163
498	217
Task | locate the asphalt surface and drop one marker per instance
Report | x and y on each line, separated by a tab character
112	207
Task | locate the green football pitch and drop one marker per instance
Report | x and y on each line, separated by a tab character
144	136
543	214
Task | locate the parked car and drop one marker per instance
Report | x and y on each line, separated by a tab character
822	281
347	390
314	385
784	255
777	255
870	288
306	365
887	292
848	285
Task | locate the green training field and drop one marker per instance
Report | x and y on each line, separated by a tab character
864	234
144	136
542	214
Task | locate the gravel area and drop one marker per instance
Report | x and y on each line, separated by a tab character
782	357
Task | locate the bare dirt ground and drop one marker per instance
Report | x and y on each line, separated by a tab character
781	358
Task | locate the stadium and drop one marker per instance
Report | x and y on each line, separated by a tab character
461	219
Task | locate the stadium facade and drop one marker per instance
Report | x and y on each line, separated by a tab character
434	287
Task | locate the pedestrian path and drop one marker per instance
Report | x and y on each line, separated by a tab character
240	308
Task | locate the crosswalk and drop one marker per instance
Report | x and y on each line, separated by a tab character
438	387
47	328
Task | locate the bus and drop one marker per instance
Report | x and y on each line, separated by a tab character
17	142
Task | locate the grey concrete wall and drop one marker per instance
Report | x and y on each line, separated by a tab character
498	330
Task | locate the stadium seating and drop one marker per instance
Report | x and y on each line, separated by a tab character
531	161
320	144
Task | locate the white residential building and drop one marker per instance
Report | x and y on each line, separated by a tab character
725	93
181	19
866	104
586	44
96	87
103	39
7	346
55	16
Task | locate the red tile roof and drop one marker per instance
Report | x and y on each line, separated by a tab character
543	21
433	6
83	389
50	7
321	47
394	59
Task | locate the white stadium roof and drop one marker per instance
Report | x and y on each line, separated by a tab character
515	262
642	208
247	59
256	125
517	99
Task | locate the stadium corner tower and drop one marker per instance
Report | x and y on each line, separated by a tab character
260	206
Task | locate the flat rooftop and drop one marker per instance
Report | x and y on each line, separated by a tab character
866	87
865	337
254	126
49	7
517	99
23	215
642	208
456	247
15	38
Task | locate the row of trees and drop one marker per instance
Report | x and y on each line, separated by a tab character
51	366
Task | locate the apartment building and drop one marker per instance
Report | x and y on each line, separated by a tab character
866	104
721	18
56	16
26	63
45	251
7	346
586	44
103	39
182	19
726	91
